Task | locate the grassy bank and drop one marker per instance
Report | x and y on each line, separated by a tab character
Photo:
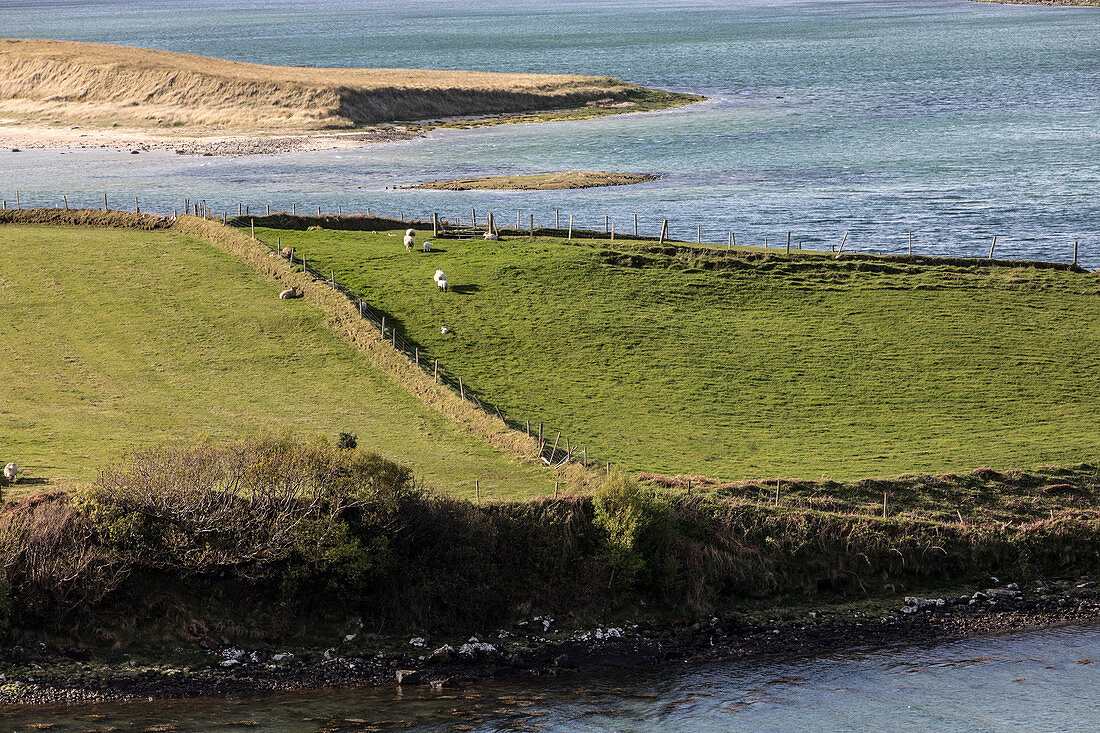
115	338
747	364
277	540
62	83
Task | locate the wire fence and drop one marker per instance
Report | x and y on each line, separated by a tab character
553	453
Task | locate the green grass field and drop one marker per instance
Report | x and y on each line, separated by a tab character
711	364
112	338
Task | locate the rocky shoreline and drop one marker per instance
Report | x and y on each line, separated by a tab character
537	647
18	139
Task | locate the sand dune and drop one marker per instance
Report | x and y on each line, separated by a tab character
46	82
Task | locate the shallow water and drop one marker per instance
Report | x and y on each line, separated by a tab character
955	120
1034	681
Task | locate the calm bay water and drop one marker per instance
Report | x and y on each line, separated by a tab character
1036	681
955	120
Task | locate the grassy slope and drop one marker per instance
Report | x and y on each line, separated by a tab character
766	369
61	82
115	338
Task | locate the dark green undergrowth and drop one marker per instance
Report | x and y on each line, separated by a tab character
272	539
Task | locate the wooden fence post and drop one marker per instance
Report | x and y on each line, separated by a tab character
435	224
461	389
252	224
532	225
104	200
635	225
664	232
788	242
137	206
612	231
269	209
606	223
729	239
66	199
436	371
698	234
294	209
992	246
842	241
240	209
910	243
557	219
570	227
1075	253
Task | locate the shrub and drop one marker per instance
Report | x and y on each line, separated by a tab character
247	506
637	529
347	441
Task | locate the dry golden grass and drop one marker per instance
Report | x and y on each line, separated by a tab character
65	82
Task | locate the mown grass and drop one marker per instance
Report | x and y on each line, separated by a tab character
112	338
734	365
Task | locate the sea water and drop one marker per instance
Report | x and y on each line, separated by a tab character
1032	681
953	120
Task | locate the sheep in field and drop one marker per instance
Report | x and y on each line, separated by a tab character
410	240
440	280
291	292
490	237
10	472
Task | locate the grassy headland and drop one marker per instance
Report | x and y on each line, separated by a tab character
49	82
743	364
540	181
118	338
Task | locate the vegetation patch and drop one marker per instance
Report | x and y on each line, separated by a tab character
262	538
540	181
750	363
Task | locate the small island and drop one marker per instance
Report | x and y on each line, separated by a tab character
1066	3
540	181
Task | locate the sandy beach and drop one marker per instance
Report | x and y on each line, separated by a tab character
23	137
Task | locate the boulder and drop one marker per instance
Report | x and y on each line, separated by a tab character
407	677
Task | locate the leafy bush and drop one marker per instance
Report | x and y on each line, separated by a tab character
637	527
250	506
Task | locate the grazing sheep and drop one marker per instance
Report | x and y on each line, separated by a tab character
10	472
440	280
292	292
410	239
427	246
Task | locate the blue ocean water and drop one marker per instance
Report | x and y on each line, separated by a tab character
1037	681
955	120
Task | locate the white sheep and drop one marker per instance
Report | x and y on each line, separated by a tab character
490	237
10	472
440	280
291	292
410	239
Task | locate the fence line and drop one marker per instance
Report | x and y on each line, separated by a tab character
553	456
199	207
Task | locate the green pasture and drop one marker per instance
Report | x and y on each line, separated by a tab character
707	362
113	338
